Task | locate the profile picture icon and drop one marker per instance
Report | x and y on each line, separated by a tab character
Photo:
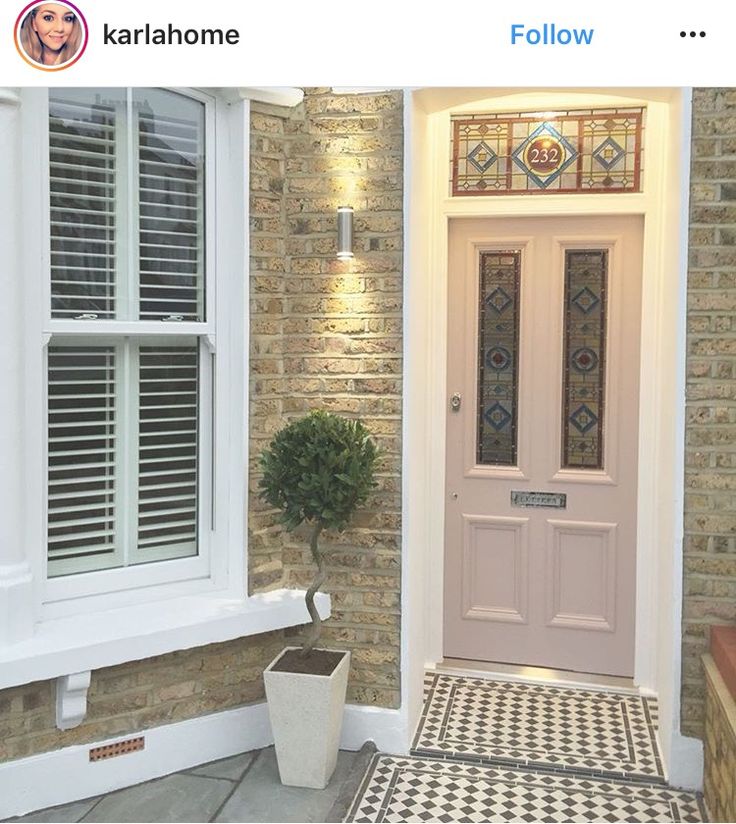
51	36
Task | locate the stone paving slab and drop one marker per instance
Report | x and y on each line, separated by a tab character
65	813
260	796
243	788
178	797
230	768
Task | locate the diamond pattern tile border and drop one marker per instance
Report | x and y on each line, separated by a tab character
528	725
398	789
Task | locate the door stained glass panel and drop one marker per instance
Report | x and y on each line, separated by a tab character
596	150
498	357
584	375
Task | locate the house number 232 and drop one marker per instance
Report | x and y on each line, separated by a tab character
544	155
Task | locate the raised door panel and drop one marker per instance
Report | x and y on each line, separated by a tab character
581	579
495	568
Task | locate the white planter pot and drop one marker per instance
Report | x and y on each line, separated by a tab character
306	718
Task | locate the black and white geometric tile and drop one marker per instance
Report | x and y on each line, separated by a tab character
399	789
529	725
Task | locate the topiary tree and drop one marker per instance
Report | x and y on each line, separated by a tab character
319	470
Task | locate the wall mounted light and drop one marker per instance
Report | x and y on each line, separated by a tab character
344	232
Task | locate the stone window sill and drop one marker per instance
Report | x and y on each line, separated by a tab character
80	644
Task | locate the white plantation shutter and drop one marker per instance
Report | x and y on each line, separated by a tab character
171	194
98	422
102	251
167	450
127	190
82	154
82	455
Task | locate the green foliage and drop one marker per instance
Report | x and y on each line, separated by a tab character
319	469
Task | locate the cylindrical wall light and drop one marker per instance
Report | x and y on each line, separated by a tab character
345	232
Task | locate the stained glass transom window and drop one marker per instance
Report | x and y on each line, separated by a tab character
584	373
550	152
498	356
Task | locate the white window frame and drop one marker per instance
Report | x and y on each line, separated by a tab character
219	566
40	640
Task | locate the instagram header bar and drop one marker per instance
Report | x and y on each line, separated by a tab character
379	43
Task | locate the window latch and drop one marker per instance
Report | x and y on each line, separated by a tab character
174	317
86	316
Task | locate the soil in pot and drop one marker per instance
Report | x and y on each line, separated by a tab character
317	662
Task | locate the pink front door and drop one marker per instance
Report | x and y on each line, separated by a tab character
542	432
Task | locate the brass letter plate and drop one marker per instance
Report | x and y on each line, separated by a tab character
550	500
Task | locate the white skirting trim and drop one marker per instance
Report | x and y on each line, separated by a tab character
686	763
66	775
388	728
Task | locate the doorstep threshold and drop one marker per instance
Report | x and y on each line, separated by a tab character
497	671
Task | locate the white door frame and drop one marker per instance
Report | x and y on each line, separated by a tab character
664	205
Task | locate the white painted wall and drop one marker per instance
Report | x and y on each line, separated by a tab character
16	618
415	487
683	755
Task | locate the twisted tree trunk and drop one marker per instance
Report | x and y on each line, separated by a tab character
319	579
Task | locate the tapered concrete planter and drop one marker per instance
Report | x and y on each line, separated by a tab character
306	718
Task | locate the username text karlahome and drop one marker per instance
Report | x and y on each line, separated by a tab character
168	35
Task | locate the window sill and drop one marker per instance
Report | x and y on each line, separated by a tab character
89	642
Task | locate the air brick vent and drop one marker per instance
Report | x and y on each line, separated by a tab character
118	748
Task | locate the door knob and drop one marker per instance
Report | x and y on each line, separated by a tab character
456	401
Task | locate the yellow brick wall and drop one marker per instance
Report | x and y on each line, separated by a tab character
720	746
709	585
268	264
327	334
140	694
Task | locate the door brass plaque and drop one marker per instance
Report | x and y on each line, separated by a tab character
551	500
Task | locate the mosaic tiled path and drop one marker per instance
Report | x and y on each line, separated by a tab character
415	789
529	725
498	751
